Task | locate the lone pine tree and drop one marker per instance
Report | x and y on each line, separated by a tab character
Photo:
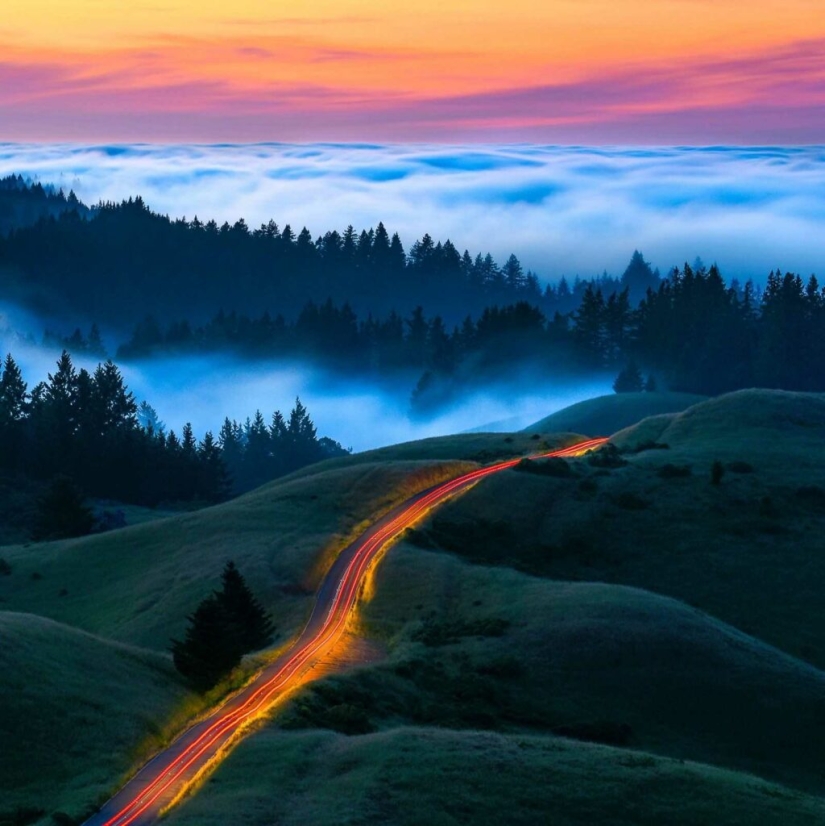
226	625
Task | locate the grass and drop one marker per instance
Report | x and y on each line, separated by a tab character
409	776
477	647
77	710
138	584
747	551
624	600
607	414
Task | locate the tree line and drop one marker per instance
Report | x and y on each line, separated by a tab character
87	426
24	202
116	262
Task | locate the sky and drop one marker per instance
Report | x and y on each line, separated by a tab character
547	71
563	210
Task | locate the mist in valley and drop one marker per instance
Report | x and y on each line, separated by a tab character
358	413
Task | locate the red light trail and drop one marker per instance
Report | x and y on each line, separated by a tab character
169	775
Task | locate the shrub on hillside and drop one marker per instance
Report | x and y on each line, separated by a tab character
717	471
740	467
553	466
5	568
670	471
606	456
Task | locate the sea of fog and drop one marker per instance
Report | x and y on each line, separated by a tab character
563	211
361	416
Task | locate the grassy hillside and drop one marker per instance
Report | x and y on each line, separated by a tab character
608	414
76	712
747	551
410	776
138	584
562	640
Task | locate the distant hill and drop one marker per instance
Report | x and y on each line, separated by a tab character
608	414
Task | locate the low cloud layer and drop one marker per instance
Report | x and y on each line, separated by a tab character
564	211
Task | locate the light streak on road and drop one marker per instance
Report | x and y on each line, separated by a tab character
172	773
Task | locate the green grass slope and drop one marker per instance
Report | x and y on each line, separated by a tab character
747	551
478	647
138	584
76	712
411	776
608	414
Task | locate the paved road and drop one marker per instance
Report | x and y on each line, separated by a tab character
169	774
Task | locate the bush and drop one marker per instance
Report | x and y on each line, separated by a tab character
669	471
606	457
5	568
740	467
717	471
553	466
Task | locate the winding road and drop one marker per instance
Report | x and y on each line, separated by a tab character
171	773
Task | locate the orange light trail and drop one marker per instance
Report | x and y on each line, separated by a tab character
171	781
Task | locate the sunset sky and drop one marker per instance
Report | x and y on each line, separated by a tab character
556	71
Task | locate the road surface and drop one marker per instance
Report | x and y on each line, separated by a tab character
168	776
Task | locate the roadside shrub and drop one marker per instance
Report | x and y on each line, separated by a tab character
62	819
740	467
346	719
603	731
670	471
606	457
717	471
554	466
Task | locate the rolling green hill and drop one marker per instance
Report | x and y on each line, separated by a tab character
409	776
607	414
615	639
77	711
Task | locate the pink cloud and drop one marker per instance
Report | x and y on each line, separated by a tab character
771	97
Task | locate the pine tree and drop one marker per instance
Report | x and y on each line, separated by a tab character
629	379
61	512
254	625
12	393
210	649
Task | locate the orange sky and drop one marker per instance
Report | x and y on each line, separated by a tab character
558	70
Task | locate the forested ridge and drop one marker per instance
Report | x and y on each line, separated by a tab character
442	321
83	433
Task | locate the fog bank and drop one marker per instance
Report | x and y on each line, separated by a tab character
563	211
